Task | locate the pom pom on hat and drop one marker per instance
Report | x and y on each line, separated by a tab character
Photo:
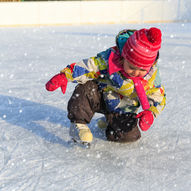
154	35
142	47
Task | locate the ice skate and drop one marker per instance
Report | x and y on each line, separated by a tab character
80	133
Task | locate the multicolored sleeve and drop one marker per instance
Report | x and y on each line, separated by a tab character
157	100
87	69
156	94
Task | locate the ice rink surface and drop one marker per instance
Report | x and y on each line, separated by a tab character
34	150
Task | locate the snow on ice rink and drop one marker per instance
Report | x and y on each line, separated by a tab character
34	150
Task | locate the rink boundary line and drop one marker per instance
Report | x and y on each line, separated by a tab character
82	24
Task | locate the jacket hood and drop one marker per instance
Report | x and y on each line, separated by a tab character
122	37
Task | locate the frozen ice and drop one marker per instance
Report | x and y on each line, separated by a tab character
34	128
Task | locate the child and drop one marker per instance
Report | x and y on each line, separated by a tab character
115	83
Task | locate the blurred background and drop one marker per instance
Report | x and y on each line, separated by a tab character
28	12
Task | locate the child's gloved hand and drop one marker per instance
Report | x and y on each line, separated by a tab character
146	119
59	80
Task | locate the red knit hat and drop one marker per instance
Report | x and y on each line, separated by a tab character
142	47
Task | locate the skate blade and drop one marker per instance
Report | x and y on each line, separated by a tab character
80	143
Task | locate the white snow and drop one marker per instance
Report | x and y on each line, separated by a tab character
34	150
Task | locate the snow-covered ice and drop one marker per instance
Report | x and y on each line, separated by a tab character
34	150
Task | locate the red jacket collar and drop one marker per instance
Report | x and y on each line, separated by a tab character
114	61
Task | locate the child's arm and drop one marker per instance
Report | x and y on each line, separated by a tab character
157	100
81	72
155	92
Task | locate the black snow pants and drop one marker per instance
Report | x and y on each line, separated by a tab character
88	99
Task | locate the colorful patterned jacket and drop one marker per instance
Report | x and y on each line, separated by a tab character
118	91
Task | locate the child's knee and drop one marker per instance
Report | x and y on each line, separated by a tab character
122	137
123	128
